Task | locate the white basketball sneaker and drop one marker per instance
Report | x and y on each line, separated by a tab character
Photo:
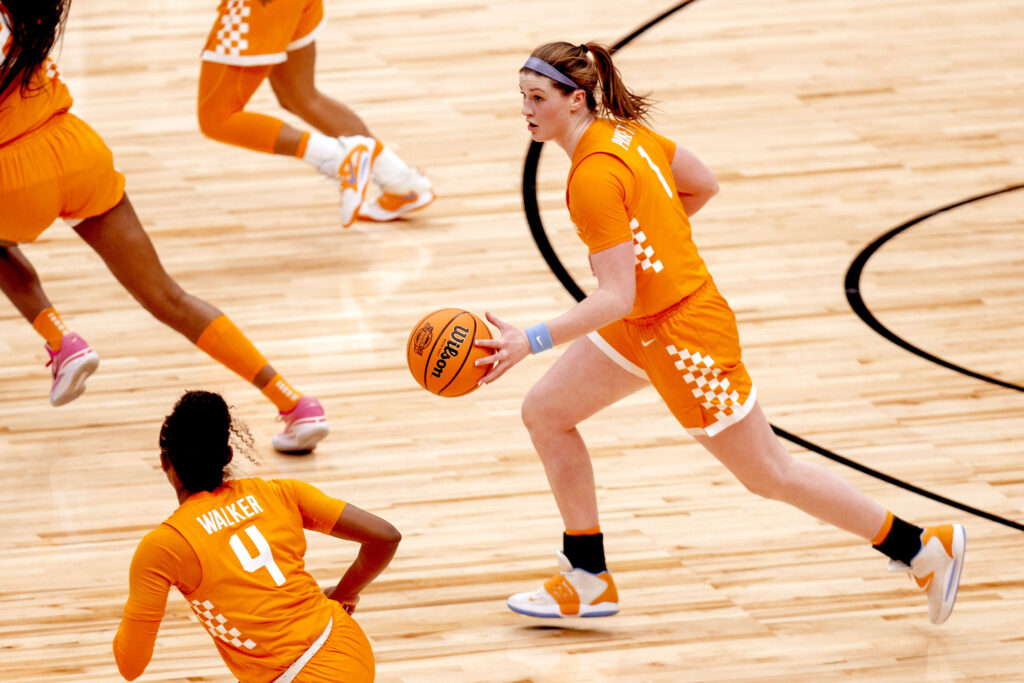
353	173
570	593
397	200
937	567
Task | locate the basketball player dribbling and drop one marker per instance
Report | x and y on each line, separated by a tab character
234	548
252	40
657	319
53	165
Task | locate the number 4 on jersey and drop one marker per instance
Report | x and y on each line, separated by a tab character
264	557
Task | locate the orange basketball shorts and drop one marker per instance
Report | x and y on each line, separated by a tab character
345	655
690	353
63	169
251	33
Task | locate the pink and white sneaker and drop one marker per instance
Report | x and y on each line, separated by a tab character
70	366
305	425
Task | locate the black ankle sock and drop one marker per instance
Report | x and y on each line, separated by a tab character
585	552
903	541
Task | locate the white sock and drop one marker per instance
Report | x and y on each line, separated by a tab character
321	148
389	171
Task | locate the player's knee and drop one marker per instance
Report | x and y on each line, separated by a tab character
528	414
212	122
164	299
287	100
294	98
770	482
539	415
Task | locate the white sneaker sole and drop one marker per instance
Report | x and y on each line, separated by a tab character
71	384
301	438
373	212
601	609
951	579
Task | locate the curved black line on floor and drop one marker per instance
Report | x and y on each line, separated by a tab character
853	295
532	210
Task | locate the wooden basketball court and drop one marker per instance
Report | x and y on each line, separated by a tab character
828	122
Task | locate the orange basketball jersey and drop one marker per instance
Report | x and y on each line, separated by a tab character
621	189
256	599
22	112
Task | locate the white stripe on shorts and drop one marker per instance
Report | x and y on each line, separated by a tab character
615	356
292	671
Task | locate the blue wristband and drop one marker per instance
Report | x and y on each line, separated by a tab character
539	338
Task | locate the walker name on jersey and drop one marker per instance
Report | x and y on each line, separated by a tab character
229	515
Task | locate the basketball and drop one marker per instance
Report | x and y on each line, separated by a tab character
441	354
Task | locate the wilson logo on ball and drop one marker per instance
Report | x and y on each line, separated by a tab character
442	354
451	349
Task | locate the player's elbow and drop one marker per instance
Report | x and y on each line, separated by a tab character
711	187
389	536
131	660
707	188
128	674
210	125
624	300
128	669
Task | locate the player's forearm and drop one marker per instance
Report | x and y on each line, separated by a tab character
373	557
133	647
692	203
597	310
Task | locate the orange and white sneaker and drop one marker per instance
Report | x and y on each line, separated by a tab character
570	593
394	202
937	567
353	173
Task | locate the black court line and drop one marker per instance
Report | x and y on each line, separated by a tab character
532	210
853	295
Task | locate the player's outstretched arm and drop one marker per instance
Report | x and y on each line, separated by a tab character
379	541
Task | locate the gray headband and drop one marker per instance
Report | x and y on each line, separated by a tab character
540	66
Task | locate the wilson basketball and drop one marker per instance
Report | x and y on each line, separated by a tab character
441	354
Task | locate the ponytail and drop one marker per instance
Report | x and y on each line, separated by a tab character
590	67
35	26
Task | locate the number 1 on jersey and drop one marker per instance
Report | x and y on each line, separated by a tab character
264	557
654	167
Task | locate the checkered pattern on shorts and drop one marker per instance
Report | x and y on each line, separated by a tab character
701	374
217	624
231	38
644	254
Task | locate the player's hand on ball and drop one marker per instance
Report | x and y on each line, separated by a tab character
509	348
